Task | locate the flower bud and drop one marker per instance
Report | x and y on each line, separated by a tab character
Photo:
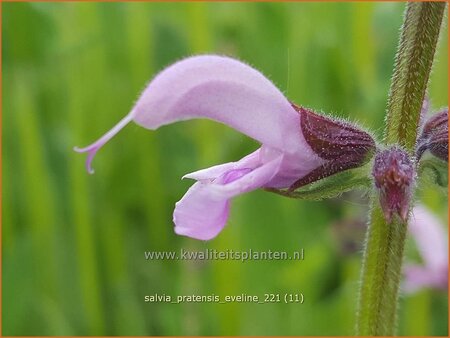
340	144
434	136
393	172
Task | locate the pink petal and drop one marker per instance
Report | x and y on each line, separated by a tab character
94	147
418	277
293	167
225	90
203	211
431	241
228	91
252	160
430	237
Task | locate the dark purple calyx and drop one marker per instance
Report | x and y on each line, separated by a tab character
434	136
393	172
342	145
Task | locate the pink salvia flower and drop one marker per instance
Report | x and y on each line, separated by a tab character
431	240
228	91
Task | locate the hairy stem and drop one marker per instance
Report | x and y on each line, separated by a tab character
381	276
420	33
383	253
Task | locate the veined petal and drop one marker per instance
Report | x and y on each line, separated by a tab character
203	211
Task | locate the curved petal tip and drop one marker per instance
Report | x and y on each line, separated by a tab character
94	147
91	150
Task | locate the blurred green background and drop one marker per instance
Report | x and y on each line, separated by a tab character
73	244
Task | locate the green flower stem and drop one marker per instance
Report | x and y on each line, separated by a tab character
383	254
